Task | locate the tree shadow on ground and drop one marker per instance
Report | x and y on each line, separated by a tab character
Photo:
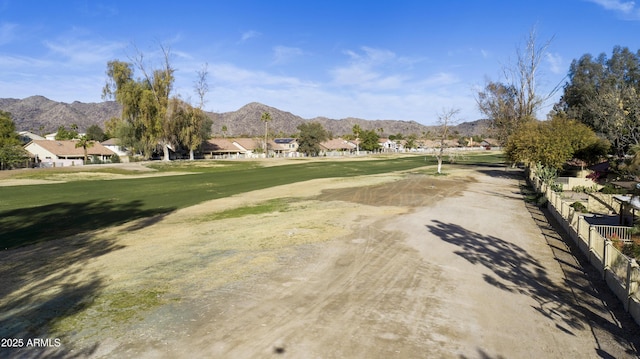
514	271
503	172
573	306
43	278
610	323
25	226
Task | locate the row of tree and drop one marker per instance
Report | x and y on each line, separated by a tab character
152	116
598	113
11	152
313	133
604	94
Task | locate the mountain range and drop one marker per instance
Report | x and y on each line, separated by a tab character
41	115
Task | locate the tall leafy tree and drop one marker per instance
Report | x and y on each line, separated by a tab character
123	88
604	93
11	151
411	141
64	134
111	127
193	124
144	101
369	140
95	133
552	143
310	137
498	102
8	135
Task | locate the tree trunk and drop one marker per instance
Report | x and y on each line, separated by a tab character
191	157
439	164
165	149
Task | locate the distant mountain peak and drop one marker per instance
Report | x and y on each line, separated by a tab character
42	115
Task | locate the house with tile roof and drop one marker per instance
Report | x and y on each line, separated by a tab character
64	153
337	145
229	147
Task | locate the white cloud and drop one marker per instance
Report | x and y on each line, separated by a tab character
84	51
555	63
626	8
249	35
231	75
372	69
441	79
16	63
284	54
616	5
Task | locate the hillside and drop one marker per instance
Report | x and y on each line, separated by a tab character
41	115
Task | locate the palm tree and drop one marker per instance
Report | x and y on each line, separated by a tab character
266	117
85	143
356	131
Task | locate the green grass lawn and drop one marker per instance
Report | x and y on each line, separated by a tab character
36	213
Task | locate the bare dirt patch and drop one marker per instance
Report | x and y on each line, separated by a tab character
404	265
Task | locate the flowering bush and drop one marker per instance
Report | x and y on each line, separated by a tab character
594	176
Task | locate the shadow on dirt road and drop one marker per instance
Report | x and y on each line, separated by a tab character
583	303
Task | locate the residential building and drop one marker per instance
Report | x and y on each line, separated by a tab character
65	153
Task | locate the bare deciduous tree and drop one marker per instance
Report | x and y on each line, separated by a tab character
446	119
517	100
201	86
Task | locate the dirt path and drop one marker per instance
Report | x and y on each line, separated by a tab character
383	267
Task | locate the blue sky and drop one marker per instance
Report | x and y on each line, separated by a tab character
402	60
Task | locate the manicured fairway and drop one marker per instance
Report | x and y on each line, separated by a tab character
35	213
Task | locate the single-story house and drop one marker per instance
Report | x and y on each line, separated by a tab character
488	143
65	153
230	147
248	145
388	145
113	145
432	144
337	145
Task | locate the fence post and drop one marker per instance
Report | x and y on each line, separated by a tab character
632	286
578	224
606	258
590	241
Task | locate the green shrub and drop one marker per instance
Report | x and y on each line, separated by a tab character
115	159
579	189
95	160
557	187
542	201
611	189
585	189
579	207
